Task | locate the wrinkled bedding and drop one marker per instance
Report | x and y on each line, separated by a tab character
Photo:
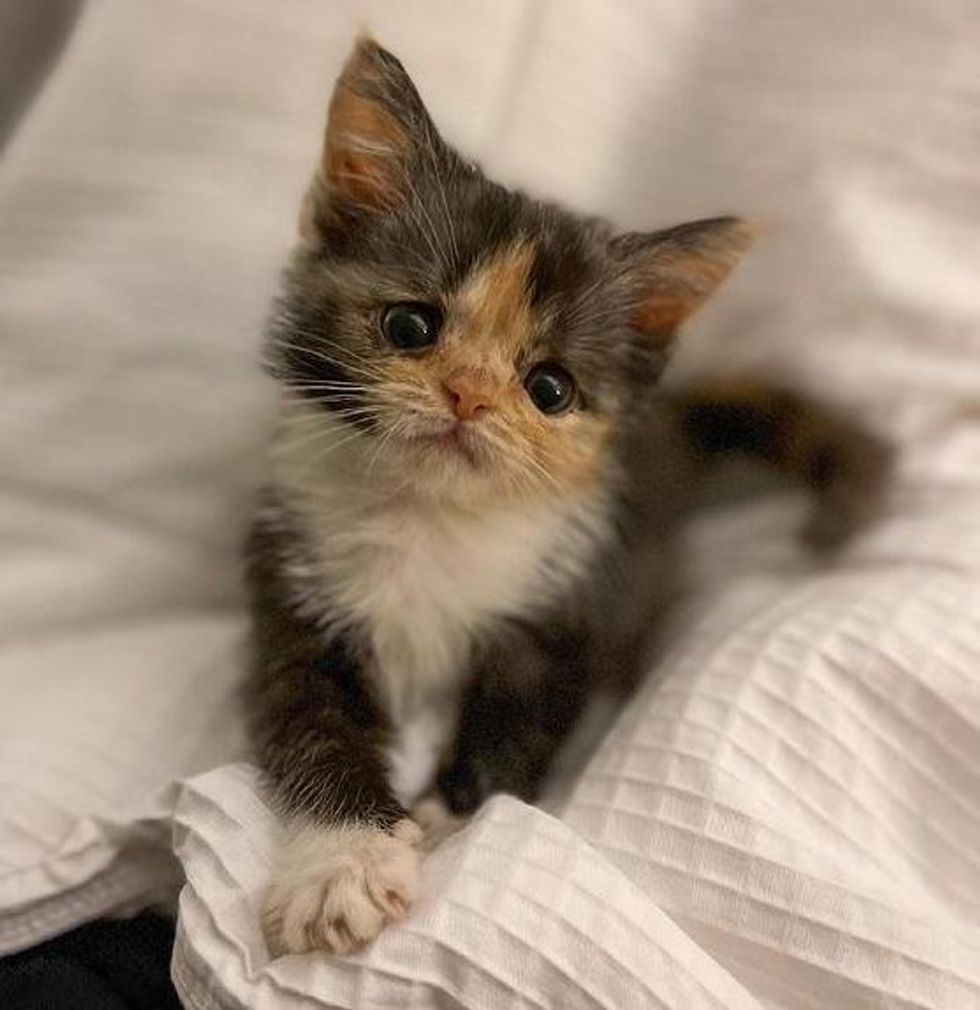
788	813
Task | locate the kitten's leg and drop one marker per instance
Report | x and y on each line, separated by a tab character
349	862
522	703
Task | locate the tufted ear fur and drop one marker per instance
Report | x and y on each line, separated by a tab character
377	127
673	272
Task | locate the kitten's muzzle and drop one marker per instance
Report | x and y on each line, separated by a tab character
469	392
454	439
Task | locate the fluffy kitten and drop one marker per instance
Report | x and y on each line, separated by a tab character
475	485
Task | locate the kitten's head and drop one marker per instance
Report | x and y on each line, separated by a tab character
468	340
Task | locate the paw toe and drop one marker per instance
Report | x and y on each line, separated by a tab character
341	901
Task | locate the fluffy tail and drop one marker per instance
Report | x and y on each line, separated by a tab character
844	464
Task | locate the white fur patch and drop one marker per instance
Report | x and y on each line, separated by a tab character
335	888
422	576
415	752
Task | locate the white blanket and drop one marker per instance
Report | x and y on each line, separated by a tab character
788	815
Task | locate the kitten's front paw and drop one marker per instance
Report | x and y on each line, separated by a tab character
336	888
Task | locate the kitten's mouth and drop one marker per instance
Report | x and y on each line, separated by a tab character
452	441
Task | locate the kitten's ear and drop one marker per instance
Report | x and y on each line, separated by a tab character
376	126
674	272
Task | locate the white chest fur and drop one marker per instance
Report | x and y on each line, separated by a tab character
422	579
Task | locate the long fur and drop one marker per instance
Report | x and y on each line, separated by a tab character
438	591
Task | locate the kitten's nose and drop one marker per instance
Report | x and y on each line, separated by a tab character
469	393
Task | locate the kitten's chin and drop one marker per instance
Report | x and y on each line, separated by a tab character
446	466
452	446
451	464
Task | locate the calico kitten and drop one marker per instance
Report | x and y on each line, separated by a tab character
476	481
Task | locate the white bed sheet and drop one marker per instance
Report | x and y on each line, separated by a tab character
789	815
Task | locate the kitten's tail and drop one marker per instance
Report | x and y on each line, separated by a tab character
843	463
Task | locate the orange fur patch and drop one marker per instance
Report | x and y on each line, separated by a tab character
494	305
489	323
684	276
489	328
569	448
495	309
363	143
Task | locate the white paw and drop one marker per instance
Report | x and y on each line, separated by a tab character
335	888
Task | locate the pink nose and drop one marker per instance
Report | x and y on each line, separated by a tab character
469	394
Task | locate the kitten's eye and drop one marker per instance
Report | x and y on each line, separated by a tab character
550	387
410	326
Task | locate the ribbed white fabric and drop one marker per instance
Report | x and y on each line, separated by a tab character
795	798
516	912
787	814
